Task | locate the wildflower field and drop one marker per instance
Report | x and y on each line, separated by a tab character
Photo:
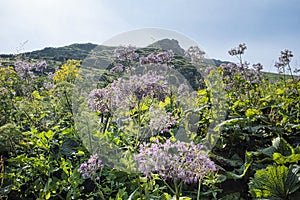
149	124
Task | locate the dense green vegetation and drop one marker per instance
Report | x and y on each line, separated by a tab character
61	136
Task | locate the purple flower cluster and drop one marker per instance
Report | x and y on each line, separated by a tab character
238	50
161	58
50	76
99	100
118	68
126	92
89	169
124	56
258	67
140	86
160	120
177	161
126	53
244	73
41	66
25	70
195	54
284	59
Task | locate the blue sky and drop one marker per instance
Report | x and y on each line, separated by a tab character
266	26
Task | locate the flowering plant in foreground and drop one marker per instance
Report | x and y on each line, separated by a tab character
89	169
160	120
128	92
179	161
26	70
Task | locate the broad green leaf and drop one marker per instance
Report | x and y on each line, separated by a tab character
276	182
280	159
229	122
281	146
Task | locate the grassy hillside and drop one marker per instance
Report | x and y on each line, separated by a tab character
97	55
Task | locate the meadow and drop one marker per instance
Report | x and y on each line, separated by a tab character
149	124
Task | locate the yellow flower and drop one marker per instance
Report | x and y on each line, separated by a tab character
68	72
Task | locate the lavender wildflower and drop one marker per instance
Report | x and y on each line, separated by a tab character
238	50
284	60
286	56
118	68
127	92
165	57
50	75
161	58
41	66
179	161
195	54
89	169
24	69
99	100
126	53
257	67
236	75
160	120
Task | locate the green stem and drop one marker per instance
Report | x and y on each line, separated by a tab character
169	186
140	188
199	188
290	69
177	194
106	123
90	135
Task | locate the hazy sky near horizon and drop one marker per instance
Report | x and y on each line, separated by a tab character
266	26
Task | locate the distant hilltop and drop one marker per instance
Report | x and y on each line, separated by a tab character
81	51
168	44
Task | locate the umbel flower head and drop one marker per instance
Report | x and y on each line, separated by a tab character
284	59
251	76
126	53
238	50
195	54
89	169
25	70
126	92
99	100
161	58
179	161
